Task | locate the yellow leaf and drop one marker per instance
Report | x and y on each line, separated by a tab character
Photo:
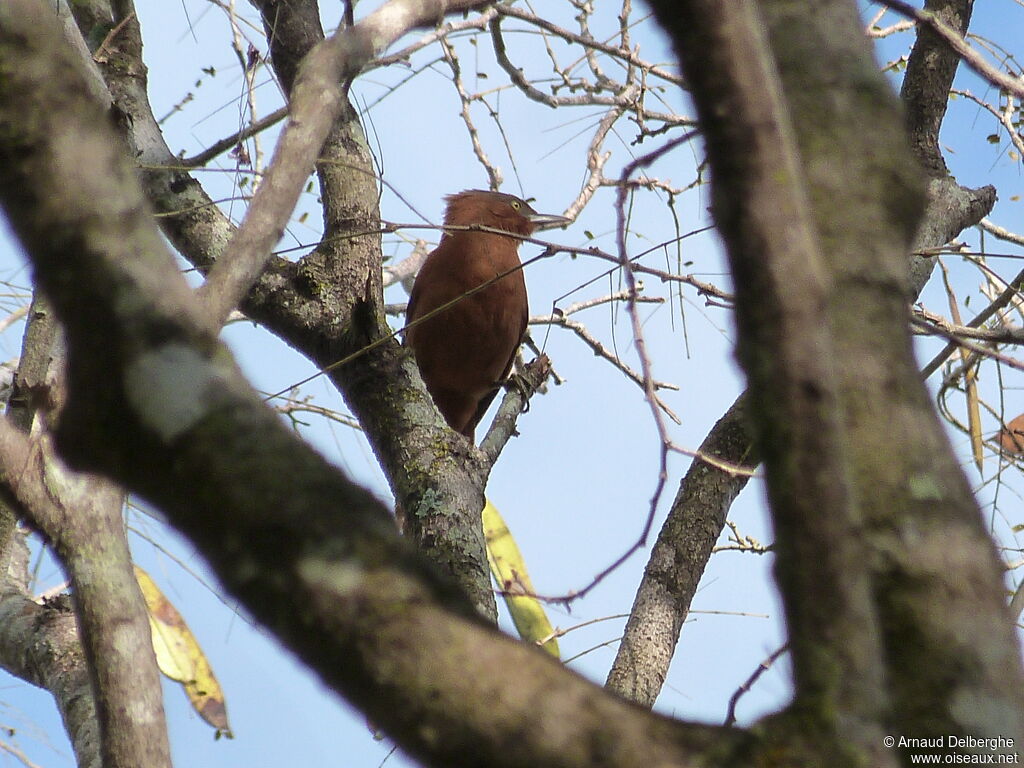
974	419
970	381
509	572
180	658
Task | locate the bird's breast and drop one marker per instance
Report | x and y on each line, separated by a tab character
474	339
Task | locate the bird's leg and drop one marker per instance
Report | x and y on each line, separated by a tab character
528	379
515	381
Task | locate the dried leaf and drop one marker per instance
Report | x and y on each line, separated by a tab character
181	659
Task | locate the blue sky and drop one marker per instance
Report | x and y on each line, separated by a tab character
576	484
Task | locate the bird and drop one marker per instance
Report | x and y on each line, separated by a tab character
465	351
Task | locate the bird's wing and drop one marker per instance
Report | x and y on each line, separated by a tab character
486	400
410	311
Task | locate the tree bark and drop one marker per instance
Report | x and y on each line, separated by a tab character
891	586
328	305
908	490
40	645
679	557
705	493
313	556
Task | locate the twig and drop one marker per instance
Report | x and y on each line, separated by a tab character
1003	234
969	378
645	367
493	172
1004	335
968	55
764	666
979	349
873	30
628	56
292	405
101	53
236	138
18	754
736	470
317	100
603	352
743	543
249	61
1011	291
1005	115
598	301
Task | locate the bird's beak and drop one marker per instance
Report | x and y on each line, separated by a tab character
548	220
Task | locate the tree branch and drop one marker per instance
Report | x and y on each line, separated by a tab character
81	516
929	76
313	556
937	24
649	641
679	557
328	307
316	102
39	644
783	288
867	216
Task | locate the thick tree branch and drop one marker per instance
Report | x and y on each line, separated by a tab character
929	76
783	290
39	644
925	93
81	516
915	503
951	209
31	387
679	557
328	306
313	556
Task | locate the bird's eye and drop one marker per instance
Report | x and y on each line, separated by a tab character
515	205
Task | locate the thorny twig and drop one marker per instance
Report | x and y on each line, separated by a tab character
764	666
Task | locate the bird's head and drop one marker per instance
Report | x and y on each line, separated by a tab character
498	210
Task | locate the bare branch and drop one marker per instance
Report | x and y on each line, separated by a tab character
589	43
493	172
967	54
603	352
764	666
316	103
1001	232
1011	292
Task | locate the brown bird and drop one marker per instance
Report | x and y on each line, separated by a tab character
465	351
